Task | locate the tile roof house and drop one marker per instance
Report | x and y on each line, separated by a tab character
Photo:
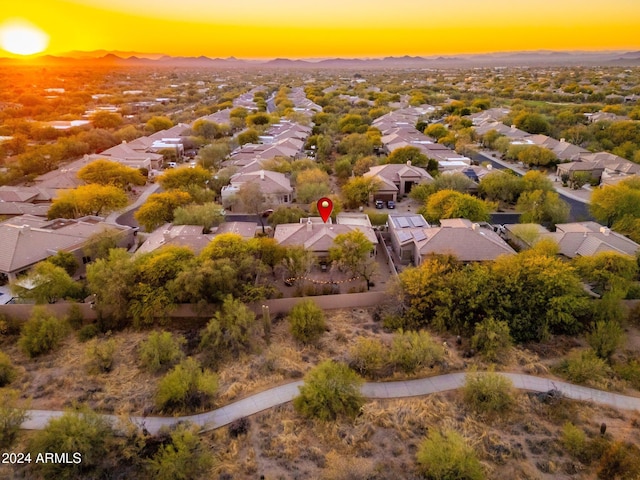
397	180
413	239
275	186
317	236
27	240
129	153
582	239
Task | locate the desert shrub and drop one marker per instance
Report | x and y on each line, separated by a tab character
161	351
492	338
330	390
184	457
447	456
7	370
488	393
605	338
42	333
186	386
88	332
84	432
620	461
75	317
100	355
368	356
629	371
584	366
11	417
410	351
228	333
306	322
574	440
9	326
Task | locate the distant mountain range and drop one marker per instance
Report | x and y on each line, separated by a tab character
531	58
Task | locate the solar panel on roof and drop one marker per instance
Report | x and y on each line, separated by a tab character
402	221
419	235
404	236
417	222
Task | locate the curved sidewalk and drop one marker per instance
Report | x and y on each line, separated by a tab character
408	388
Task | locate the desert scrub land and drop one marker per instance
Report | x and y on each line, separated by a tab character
534	436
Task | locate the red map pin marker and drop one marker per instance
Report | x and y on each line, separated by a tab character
325	207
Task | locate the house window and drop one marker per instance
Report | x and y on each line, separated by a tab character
86	260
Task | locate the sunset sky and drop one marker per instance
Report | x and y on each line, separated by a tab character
346	28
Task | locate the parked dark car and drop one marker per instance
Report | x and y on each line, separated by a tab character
379	204
391	204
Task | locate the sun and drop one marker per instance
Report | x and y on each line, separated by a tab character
22	38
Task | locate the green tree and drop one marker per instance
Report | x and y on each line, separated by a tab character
106	120
99	244
607	270
447	456
611	204
7	371
229	332
535	155
209	130
501	186
207	215
107	172
358	190
65	260
110	281
46	283
182	178
452	204
605	337
536	295
449	181
258	119
155	124
297	262
11	417
212	155
160	351
330	390
186	386
492	338
159	208
184	457
248	136
343	168
533	123
253	200
352	251
436	131
363	165
542	207
100	355
536	180
42	333
87	200
286	214
307	322
356	145
408	154
84	432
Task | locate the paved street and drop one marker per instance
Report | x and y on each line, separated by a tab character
410	388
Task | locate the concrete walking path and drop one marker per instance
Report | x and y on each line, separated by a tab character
273	397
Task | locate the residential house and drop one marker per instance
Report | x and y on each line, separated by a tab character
316	236
397	180
276	187
413	239
27	240
578	239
